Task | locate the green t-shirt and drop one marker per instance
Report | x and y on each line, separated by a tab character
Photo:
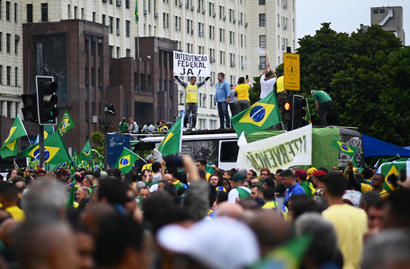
123	127
321	97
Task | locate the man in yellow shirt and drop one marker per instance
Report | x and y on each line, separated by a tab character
191	99
9	199
349	222
242	93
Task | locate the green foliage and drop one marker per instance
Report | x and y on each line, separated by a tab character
98	141
367	74
255	92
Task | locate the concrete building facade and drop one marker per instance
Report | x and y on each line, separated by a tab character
229	31
390	19
11	73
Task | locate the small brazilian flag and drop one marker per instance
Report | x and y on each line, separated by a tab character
85	154
10	145
55	152
136	11
66	124
171	144
343	147
126	160
258	117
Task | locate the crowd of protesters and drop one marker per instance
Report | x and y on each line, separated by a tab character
176	215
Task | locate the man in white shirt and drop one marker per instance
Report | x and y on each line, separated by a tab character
267	81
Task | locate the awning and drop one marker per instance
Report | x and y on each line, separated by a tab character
375	147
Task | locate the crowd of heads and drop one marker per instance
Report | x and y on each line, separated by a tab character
182	213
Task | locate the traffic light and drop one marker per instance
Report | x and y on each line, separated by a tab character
46	100
299	111
29	109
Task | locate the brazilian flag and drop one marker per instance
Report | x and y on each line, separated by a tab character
258	117
136	11
85	154
10	145
126	160
55	152
343	147
66	124
171	143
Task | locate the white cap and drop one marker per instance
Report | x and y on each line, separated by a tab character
223	243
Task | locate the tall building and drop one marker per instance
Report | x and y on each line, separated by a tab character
141	35
11	72
271	27
390	19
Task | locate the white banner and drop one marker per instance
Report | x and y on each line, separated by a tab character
186	64
278	152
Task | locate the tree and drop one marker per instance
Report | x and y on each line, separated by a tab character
367	76
98	140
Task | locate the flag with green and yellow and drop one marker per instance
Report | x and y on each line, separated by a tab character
55	152
172	142
66	124
85	154
126	160
259	116
10	145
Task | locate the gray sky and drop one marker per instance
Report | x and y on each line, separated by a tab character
344	15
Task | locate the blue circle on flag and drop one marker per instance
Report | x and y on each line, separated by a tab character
257	113
37	154
124	161
344	147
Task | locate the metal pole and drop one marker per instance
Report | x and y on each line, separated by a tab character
41	138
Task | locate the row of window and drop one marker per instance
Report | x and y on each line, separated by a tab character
280	20
43	9
11	109
8	6
8	38
118	3
284	3
143	82
7	80
117	51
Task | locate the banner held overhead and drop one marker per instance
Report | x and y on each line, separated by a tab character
186	64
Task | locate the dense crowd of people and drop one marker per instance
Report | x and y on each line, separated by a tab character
185	214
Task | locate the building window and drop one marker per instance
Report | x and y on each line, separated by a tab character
127	4
7	10
128	52
111	52
16	71
8	43
93	16
44	12
262	20
111	24
117	26
1	40
100	47
1	76
8	75
262	62
16	44
261	2
222	57
165	17
127	28
118	52
15	12
29	8
103	19
262	41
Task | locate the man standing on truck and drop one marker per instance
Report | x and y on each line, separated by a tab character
191	99
323	103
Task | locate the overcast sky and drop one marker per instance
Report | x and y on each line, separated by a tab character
344	15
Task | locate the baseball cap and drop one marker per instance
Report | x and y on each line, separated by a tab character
310	172
238	178
301	173
235	246
319	173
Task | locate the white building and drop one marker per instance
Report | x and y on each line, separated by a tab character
271	26
11	61
229	31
